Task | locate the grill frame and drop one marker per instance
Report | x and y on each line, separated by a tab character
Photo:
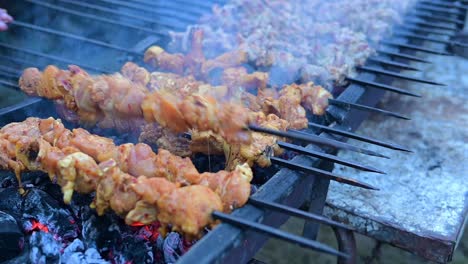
227	243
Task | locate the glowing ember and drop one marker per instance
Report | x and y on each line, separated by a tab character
150	232
38	226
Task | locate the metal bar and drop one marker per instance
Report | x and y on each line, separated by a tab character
433	17
438	9
16	73
296	212
347	244
414	47
273	232
381	86
98	18
73	36
327	157
196	10
430	25
426	31
385	62
14	85
422	37
167	13
118	12
401	55
315	140
16	60
365	108
8	74
396	75
50	57
314	171
359	137
446	5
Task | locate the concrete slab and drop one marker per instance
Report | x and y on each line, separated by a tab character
422	203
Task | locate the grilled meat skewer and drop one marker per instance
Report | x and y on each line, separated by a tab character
141	200
233	187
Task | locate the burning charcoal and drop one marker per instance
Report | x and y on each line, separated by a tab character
11	237
42	208
76	246
74	253
11	202
173	247
44	248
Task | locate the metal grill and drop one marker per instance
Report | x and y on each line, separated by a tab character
304	178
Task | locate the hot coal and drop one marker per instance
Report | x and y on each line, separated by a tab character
37	227
11	237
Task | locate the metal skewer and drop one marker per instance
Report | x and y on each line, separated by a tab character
296	212
365	108
414	47
425	30
401	55
396	75
314	171
328	157
360	138
385	62
277	233
430	25
315	140
381	86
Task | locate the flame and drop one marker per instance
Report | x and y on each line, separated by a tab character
38	226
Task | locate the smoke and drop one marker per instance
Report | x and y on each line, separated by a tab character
310	40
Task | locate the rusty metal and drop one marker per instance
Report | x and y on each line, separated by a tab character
346	244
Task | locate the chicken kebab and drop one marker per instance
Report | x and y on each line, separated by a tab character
16	143
175	104
139	200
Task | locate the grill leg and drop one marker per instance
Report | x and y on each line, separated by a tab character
318	195
346	244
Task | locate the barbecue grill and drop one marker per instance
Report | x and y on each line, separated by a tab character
119	31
